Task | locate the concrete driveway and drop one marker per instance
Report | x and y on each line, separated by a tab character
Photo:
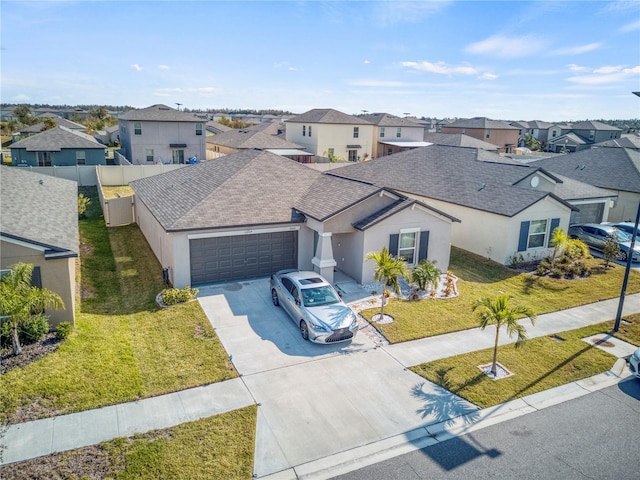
316	400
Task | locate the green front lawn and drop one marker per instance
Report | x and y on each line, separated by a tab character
478	277
124	347
542	363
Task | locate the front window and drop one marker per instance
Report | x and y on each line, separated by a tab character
81	158
487	133
407	246
198	129
381	132
319	296
137	128
304	130
149	154
356	132
592	134
309	130
398	132
537	233
353	155
44	159
553	134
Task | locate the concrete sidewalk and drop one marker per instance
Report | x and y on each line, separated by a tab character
43	437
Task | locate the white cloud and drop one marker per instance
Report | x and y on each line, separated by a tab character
392	12
576	68
630	27
376	83
21	98
163	67
605	75
136	67
488	76
440	68
198	91
292	69
578	50
507	47
366	62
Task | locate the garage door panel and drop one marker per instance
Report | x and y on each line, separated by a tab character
220	259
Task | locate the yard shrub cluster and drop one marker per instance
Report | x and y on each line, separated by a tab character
171	296
63	330
30	330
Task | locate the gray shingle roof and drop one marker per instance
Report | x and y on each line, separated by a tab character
246	188
593	125
481	122
453	175
60	122
627	141
56	139
571	189
159	113
458	140
217	126
270	128
327	115
388	120
244	139
611	168
39	209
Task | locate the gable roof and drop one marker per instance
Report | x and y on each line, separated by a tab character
453	175
593	125
611	168
481	122
388	120
159	113
245	139
626	141
227	192
327	115
40	210
270	128
60	122
458	140
56	139
212	125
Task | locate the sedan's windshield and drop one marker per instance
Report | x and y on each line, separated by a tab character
621	236
319	296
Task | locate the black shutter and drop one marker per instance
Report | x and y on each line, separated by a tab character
36	278
423	248
524	236
554	224
393	243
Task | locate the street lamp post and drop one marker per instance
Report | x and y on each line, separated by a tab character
626	272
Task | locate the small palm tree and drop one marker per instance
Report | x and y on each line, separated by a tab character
425	273
559	241
19	300
499	311
388	270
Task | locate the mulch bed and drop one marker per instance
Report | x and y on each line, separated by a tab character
30	353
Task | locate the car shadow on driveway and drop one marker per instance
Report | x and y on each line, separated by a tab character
258	335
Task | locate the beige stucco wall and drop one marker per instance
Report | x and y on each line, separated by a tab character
626	207
496	236
497	137
160	242
336	136
58	275
222	149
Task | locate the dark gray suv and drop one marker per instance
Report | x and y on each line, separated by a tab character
595	236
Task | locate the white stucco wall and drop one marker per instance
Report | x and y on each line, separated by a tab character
626	207
336	136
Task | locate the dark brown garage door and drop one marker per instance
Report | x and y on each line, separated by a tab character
222	259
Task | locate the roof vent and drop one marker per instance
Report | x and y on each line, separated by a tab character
583	167
482	186
41	181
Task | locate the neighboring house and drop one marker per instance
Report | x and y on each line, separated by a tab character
393	134
504	208
252	213
458	140
108	136
496	132
39	225
536	128
40	127
573	137
216	128
271	128
161	134
625	141
567	143
327	132
237	140
616	169
58	147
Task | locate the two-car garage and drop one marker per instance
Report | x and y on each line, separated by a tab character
236	257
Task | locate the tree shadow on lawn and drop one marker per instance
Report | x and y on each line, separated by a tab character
533	282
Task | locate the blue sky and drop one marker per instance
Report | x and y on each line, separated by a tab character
516	60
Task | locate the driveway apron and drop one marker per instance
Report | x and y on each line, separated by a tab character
316	400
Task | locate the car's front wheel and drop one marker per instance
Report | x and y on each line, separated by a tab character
274	297
622	256
304	330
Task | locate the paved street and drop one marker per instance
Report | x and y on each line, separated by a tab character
594	436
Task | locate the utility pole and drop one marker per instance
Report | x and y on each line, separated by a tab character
626	272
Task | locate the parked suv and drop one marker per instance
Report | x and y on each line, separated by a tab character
634	363
595	236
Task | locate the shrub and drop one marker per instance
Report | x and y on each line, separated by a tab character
171	296
83	203
582	269
577	249
34	328
63	330
557	272
515	260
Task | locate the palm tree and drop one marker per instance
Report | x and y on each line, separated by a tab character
559	241
425	273
19	300
499	311
389	269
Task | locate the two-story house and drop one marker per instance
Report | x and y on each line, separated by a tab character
573	137
394	134
497	132
329	133
161	134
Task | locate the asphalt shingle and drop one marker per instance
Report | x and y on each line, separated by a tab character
56	139
327	115
159	113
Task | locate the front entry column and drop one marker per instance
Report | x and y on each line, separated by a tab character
323	261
